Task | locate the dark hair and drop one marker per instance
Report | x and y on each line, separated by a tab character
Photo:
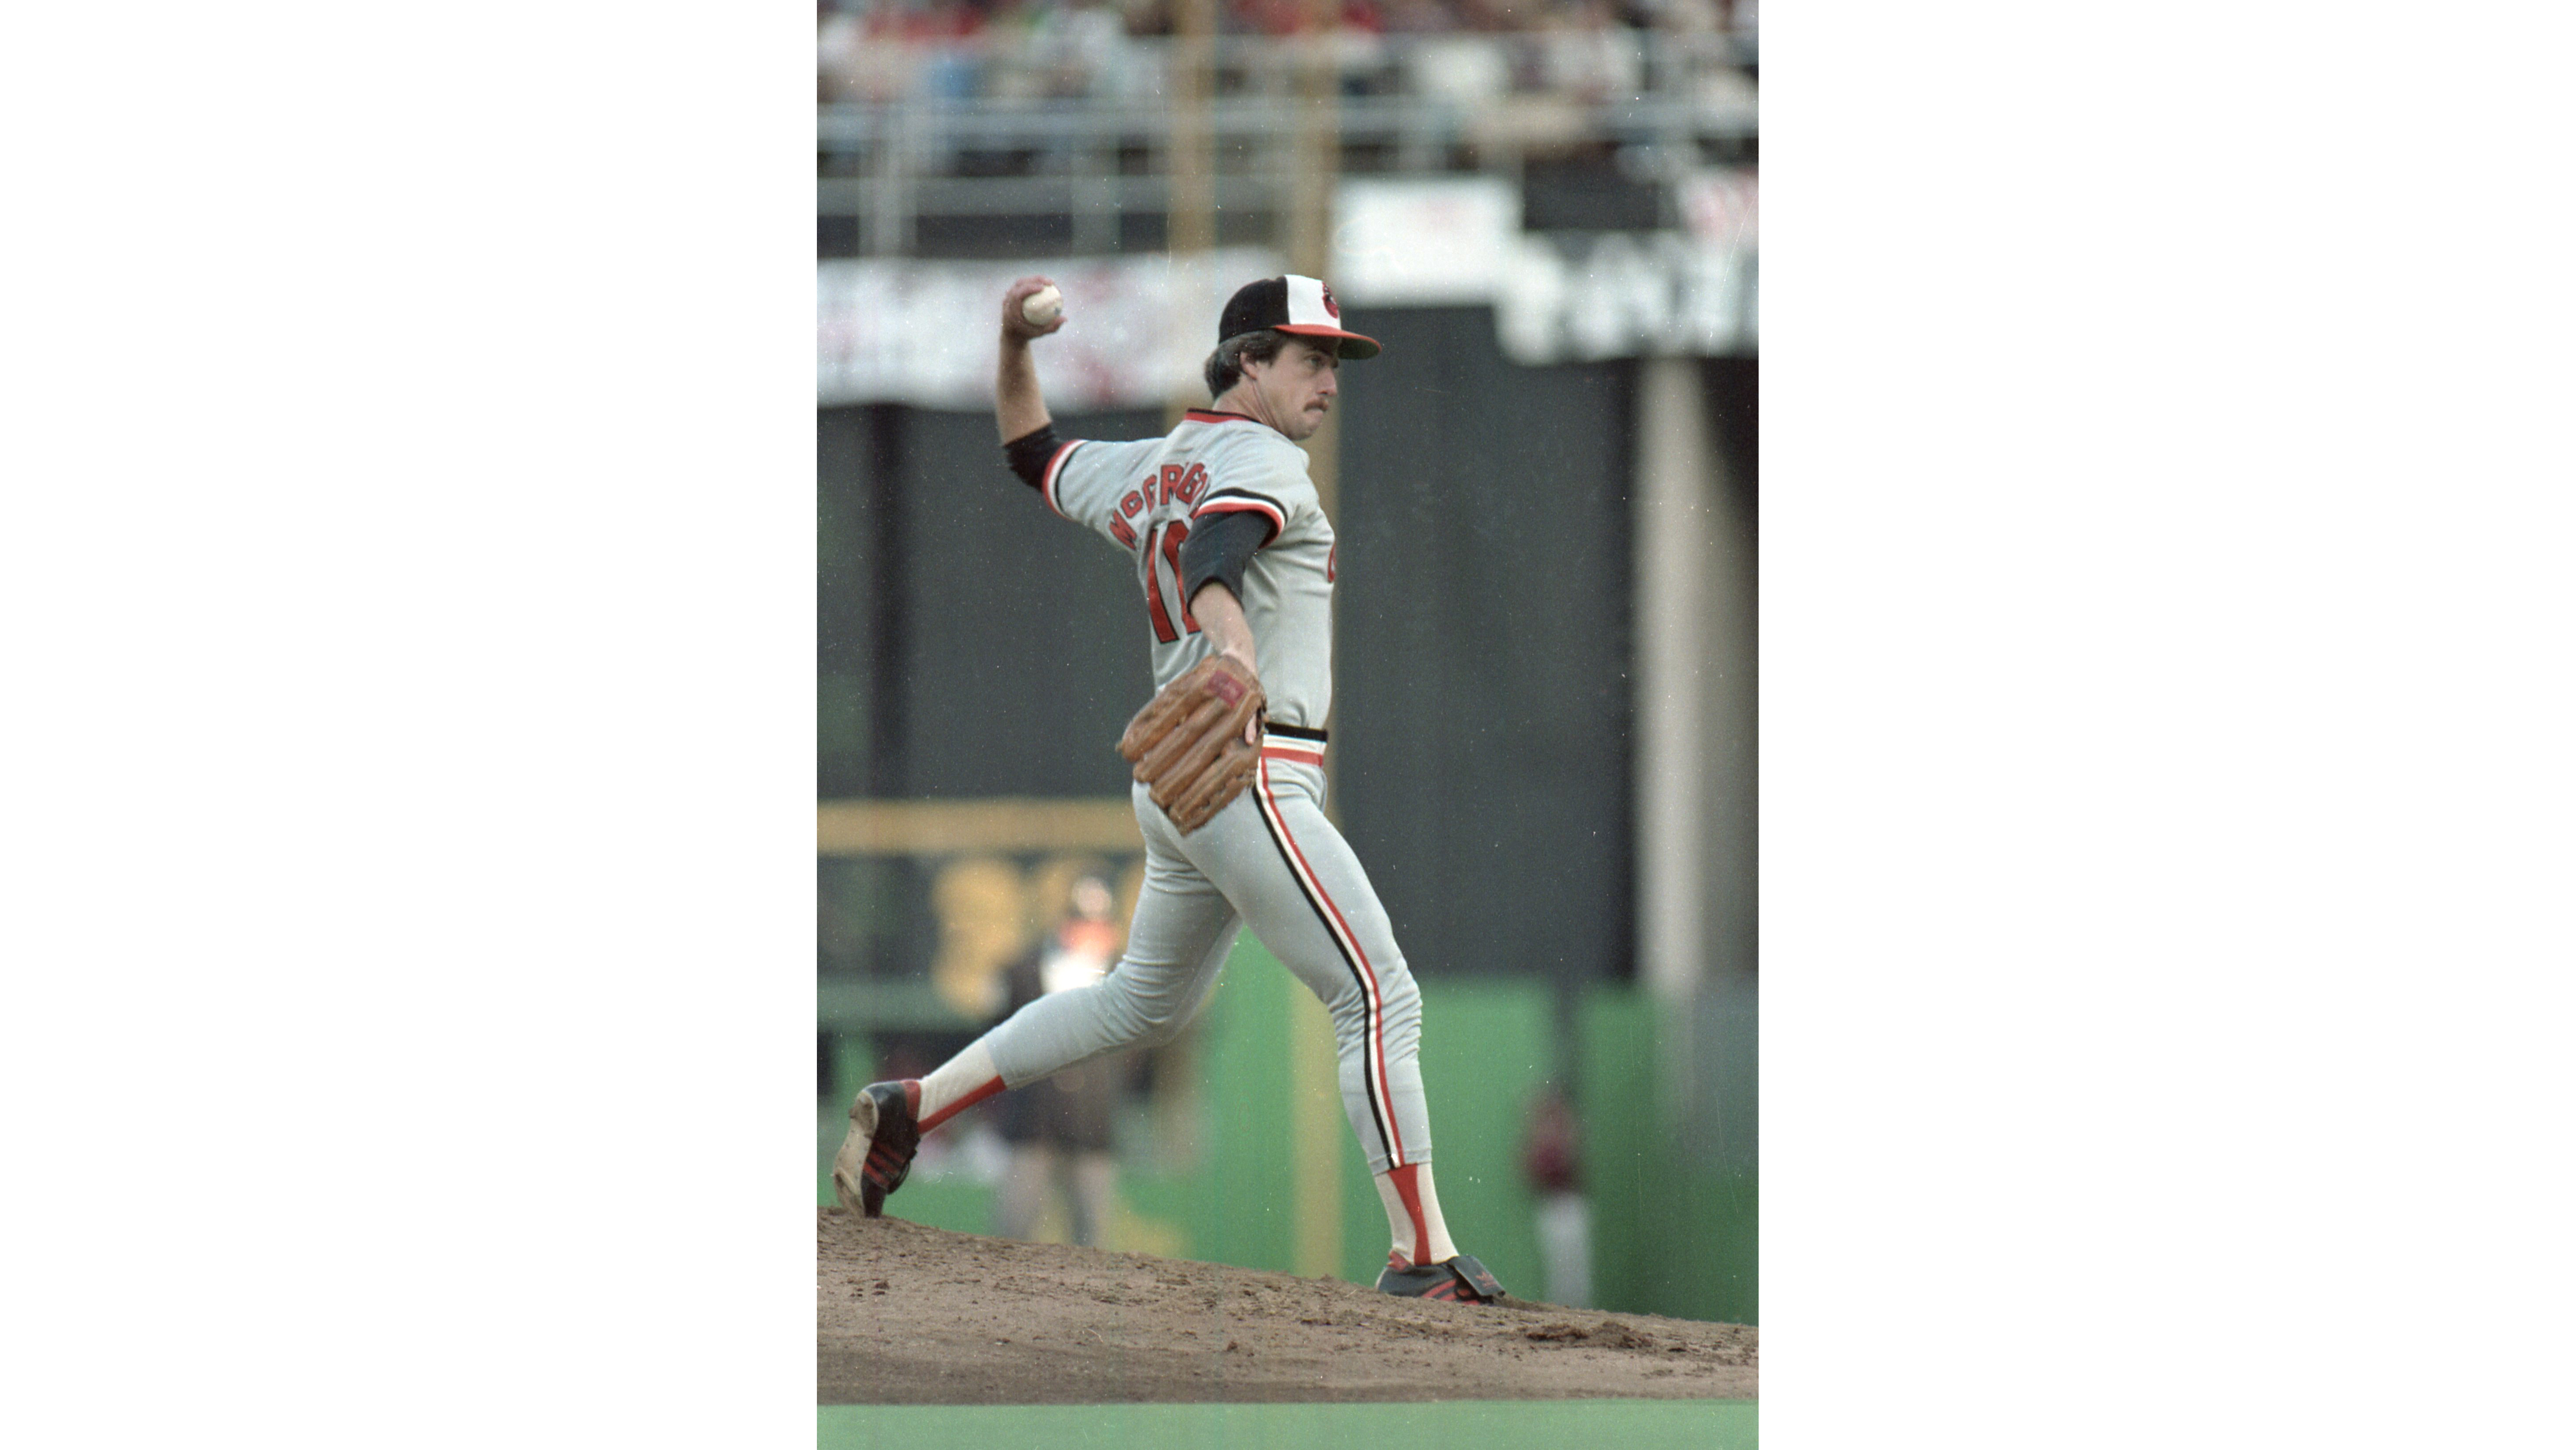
1224	366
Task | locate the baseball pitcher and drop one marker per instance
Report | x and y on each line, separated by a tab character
1235	560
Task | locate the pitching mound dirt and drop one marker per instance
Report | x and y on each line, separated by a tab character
913	1315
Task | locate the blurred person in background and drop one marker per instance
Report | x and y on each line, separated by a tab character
1550	1157
1059	1131
948	35
1419	17
1496	16
1590	56
890	50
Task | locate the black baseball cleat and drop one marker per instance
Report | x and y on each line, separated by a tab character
877	1155
1456	1281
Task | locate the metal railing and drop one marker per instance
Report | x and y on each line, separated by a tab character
1098	159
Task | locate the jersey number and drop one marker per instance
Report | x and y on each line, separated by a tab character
1171	536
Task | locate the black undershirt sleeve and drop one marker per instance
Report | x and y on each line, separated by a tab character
1218	548
1028	454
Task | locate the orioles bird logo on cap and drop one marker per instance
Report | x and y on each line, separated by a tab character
1332	309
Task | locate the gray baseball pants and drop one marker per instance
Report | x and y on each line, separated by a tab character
1270	861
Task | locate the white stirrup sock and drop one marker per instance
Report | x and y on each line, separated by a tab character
1413	1215
961	1082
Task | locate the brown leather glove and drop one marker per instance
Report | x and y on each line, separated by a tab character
1187	743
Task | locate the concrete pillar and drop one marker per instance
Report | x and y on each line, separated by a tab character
1696	717
1674	506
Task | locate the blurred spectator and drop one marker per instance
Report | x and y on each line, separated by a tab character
1149	17
943	33
887	50
1590	56
1059	1130
1088	49
1466	72
1287	17
1551	1159
1497	15
1468	53
1419	17
837	61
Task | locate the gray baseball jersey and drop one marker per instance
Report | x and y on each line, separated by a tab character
1271	860
1145	495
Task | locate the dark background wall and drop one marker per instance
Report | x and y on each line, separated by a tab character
1481	742
1731	393
973	644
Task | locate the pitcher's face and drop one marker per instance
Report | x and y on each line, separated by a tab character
1297	387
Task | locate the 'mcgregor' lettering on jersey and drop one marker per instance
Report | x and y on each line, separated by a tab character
1139	495
1128	508
1169	484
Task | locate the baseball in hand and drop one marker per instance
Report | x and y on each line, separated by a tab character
1043	306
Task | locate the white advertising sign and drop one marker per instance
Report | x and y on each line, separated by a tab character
925	333
1583	296
1720	208
1431	242
1137	328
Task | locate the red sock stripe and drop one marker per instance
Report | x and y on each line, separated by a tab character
1381	1101
1410	1192
959	1106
